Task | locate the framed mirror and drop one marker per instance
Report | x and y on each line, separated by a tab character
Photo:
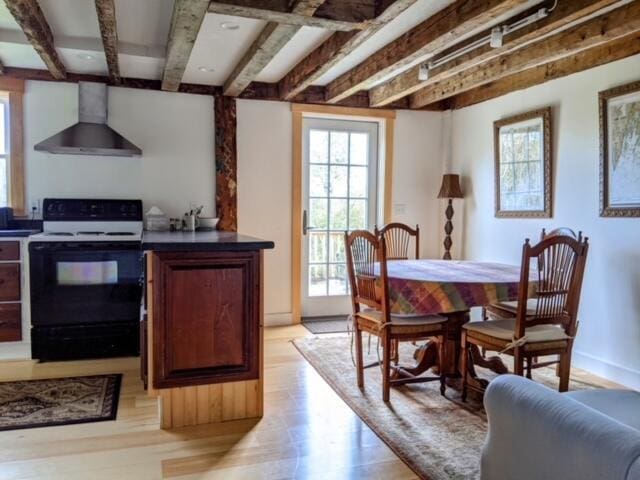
523	165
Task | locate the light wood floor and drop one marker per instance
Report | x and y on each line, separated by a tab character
307	432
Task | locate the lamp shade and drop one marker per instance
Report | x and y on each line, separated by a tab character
450	186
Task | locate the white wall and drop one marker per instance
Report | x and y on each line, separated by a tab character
174	131
264	194
609	336
265	179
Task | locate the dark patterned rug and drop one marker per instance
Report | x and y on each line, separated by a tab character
58	401
439	438
335	324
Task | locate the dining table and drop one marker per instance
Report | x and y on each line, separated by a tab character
450	288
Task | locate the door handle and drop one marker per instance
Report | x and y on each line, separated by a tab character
305	227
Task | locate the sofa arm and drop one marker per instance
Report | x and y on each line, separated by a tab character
536	433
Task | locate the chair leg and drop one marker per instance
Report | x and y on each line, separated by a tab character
441	360
386	365
485	317
529	362
464	363
565	371
395	346
518	362
359	359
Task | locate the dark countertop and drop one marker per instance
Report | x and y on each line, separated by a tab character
202	241
17	233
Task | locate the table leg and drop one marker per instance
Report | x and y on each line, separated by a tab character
426	357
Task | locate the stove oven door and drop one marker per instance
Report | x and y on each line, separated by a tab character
84	283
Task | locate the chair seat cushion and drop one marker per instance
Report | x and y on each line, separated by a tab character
621	405
376	316
511	307
504	329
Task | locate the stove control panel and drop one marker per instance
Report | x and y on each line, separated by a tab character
67	209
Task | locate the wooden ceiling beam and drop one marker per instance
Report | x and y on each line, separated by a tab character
185	25
272	39
288	18
106	11
597	31
409	82
255	91
29	16
335	49
428	37
341	11
624	47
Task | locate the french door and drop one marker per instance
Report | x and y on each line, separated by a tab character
340	168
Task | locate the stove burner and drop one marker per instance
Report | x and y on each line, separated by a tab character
59	234
120	233
90	233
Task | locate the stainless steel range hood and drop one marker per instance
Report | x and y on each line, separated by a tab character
91	135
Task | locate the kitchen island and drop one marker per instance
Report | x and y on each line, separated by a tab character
201	327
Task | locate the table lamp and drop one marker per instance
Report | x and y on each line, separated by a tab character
450	189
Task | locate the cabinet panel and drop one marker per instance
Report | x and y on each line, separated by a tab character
10	322
206	317
9	251
9	282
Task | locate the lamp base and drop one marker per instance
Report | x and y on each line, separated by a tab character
448	228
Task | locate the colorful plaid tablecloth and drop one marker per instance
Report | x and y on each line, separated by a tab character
444	286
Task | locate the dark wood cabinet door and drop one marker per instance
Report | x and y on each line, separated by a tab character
9	251
9	282
206	317
10	322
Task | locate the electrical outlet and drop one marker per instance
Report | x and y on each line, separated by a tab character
35	207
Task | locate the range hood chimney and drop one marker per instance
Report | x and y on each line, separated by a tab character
91	135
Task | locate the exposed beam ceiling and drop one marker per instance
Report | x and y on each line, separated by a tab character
106	11
28	15
592	57
289	18
185	25
597	31
351	11
430	36
272	39
333	50
408	82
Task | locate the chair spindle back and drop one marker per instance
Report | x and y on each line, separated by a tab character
364	250
398	238
559	262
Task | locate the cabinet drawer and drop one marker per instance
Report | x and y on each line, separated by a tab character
9	250
9	282
10	322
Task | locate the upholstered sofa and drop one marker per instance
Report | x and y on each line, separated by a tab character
536	433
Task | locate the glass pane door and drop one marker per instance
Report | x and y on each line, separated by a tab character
340	195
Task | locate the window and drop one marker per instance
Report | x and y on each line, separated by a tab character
4	151
11	145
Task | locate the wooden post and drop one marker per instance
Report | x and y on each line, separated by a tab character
226	163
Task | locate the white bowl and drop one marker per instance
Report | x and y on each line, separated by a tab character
208	222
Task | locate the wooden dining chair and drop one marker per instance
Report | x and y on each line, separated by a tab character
546	326
508	309
398	238
371	313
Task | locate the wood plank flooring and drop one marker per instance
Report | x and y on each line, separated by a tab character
307	432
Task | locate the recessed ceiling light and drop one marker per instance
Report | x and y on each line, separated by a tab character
206	69
85	56
230	26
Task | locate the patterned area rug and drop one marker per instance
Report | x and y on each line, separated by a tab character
58	401
437	437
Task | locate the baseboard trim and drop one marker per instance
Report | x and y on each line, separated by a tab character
278	319
611	371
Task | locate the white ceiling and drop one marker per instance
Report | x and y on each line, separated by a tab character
143	27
